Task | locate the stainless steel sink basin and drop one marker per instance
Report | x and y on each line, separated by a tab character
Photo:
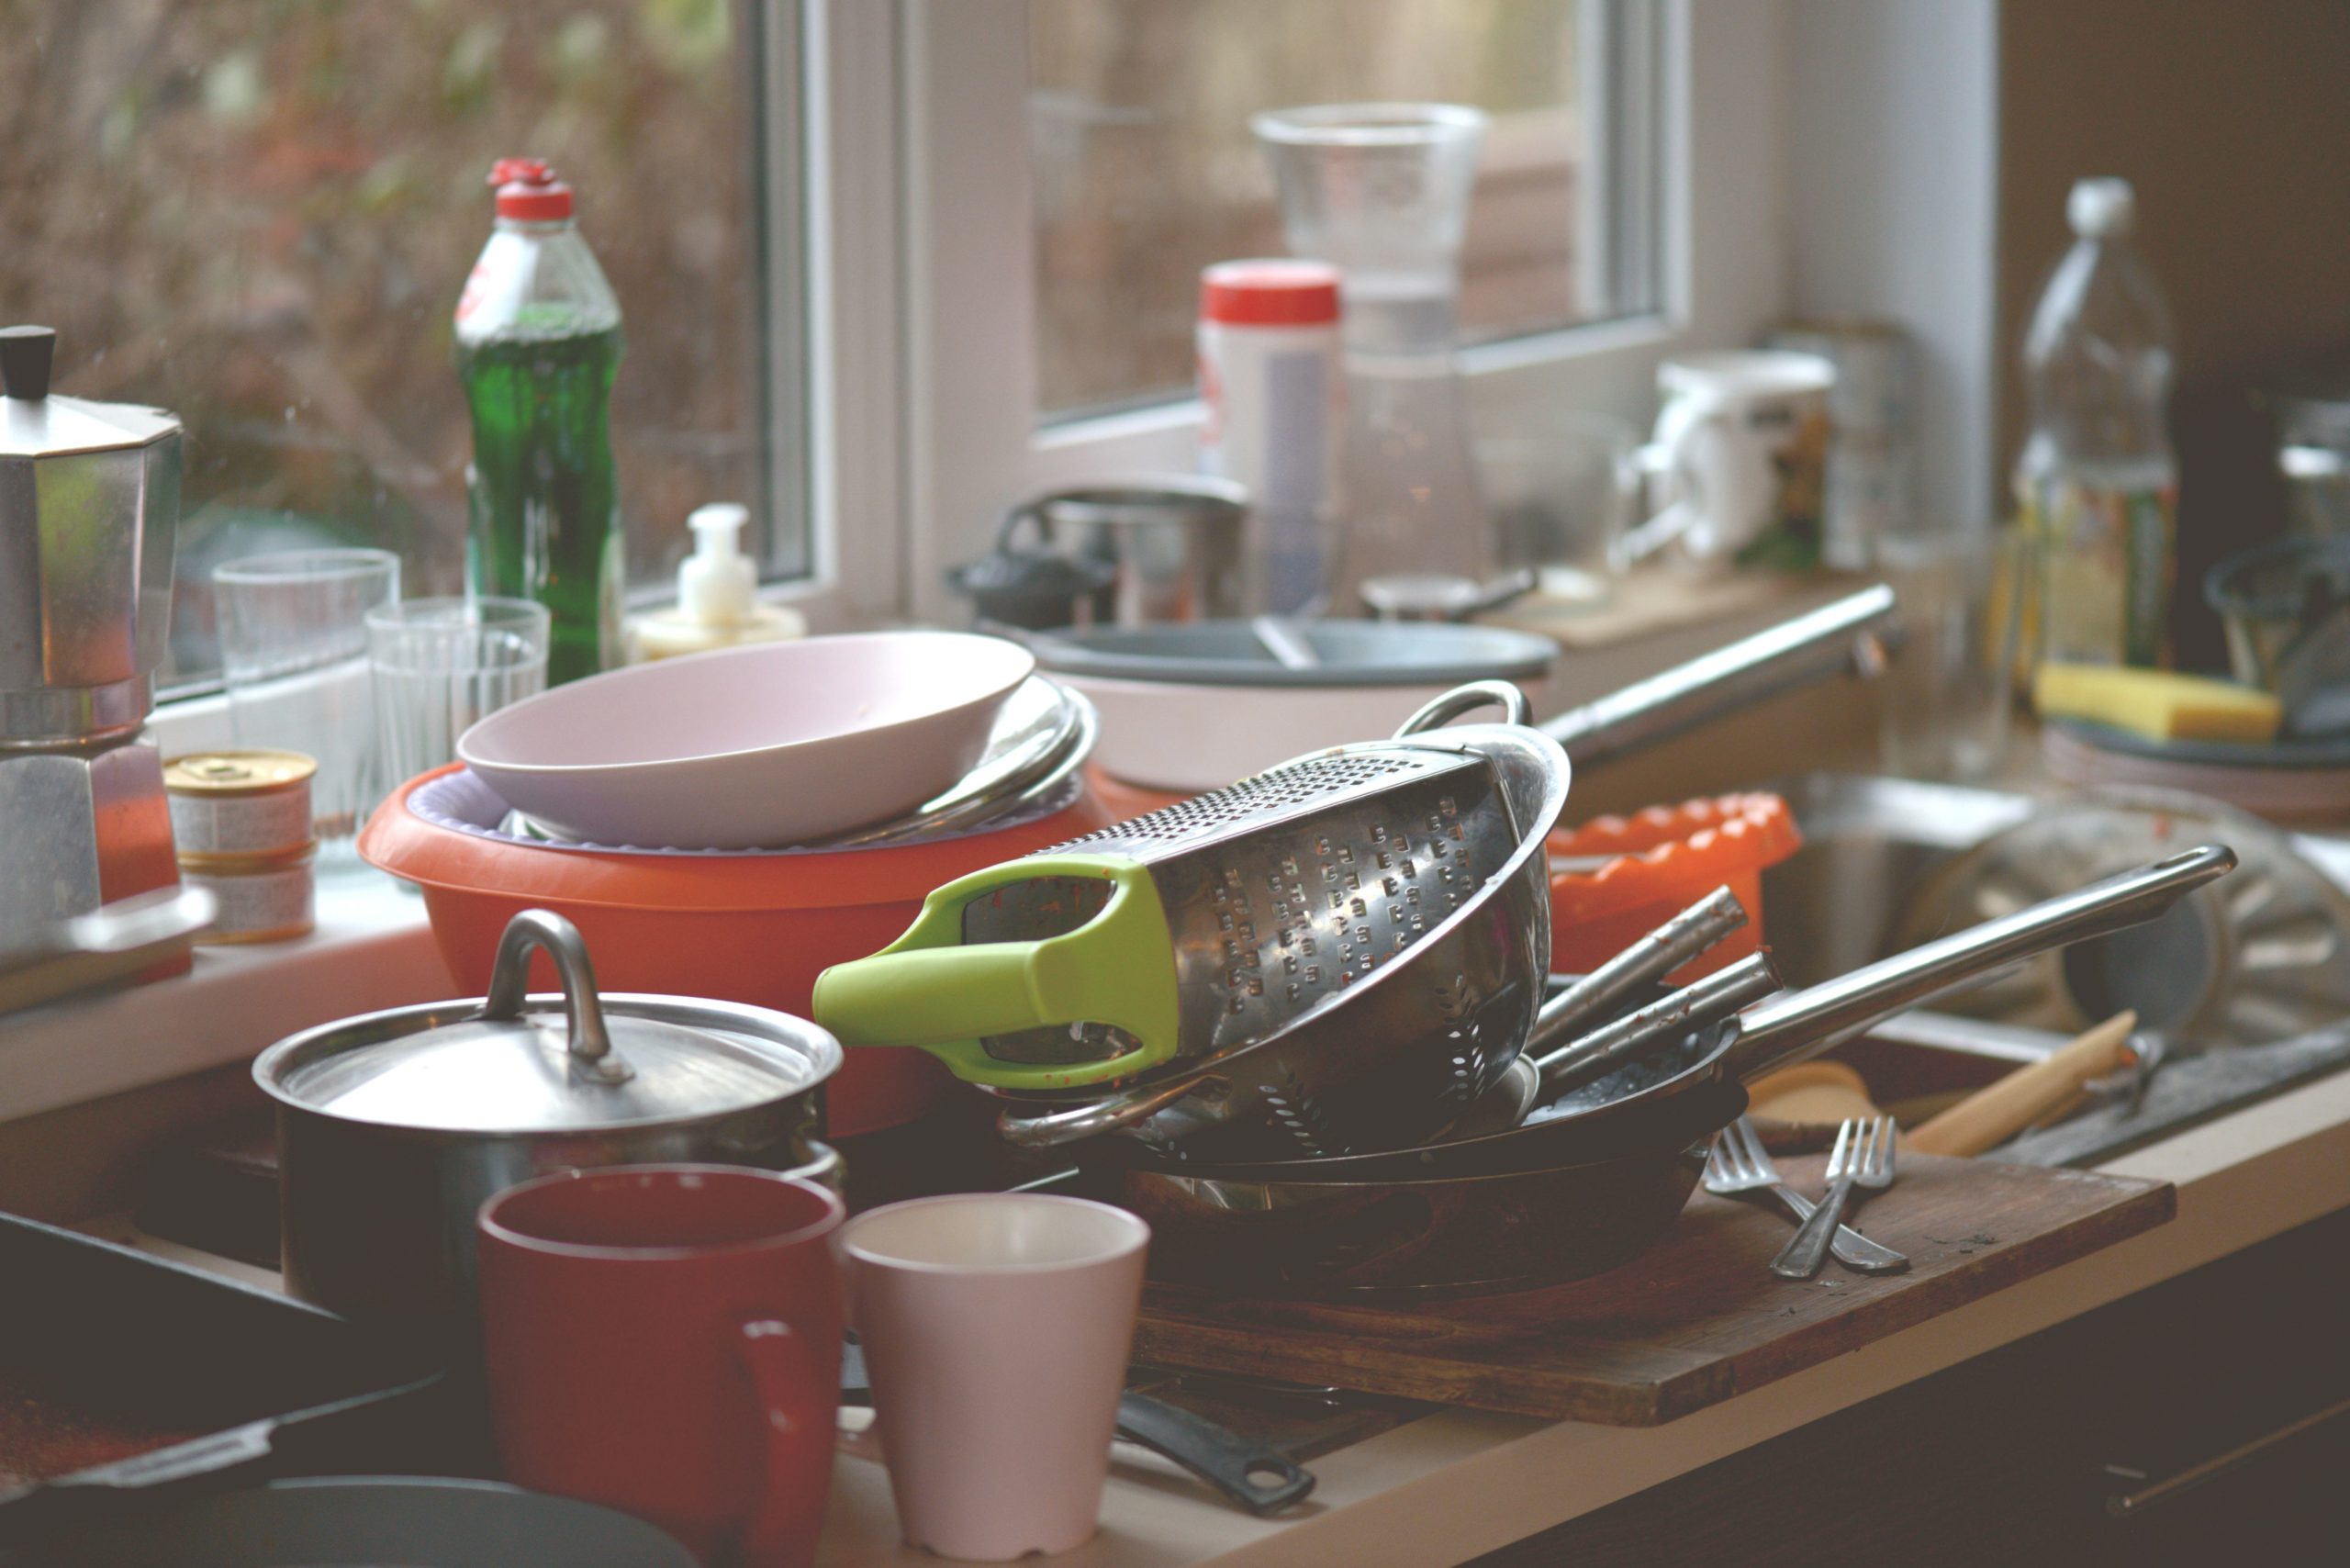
1869	843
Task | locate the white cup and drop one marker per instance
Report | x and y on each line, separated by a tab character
996	1327
1739	448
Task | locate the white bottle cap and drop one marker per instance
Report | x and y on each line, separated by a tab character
718	585
2100	209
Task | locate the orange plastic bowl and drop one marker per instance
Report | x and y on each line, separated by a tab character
1660	861
751	928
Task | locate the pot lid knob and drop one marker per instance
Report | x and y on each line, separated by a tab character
26	354
592	1057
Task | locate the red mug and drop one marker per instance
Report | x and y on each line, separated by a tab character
665	1339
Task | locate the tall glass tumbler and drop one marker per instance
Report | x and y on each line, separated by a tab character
294	655
442	663
1381	192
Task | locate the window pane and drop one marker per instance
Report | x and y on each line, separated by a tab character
1146	170
259	214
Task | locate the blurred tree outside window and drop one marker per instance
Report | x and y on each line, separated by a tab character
259	213
1146	170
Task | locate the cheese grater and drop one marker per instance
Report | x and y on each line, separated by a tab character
1208	924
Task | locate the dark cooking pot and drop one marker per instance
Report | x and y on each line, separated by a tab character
395	1127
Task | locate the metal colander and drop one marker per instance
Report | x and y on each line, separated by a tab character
1279	891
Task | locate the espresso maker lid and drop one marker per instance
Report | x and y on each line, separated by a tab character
35	424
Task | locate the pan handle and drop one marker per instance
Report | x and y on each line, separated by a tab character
1468	698
1847	636
1094	1117
1795	1025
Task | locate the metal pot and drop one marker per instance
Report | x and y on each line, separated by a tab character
395	1127
1175	544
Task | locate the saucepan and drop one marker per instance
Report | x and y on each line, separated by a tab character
393	1127
1586	1182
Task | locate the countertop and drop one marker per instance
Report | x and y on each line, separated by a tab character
1452	1486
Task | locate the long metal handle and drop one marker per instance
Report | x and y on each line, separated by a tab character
2128	1505
1846	637
1790	1027
509	981
1694	1006
1652	957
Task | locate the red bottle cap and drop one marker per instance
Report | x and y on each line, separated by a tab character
1269	294
528	190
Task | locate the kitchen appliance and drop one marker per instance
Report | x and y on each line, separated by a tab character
89	504
755	927
753	748
393	1127
1376	1029
1033	587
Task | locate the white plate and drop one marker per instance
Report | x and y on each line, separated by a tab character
1168	735
748	747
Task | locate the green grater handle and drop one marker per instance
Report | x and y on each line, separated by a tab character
930	988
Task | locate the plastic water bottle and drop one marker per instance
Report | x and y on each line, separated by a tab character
2096	483
538	345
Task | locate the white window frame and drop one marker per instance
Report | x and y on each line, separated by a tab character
966	358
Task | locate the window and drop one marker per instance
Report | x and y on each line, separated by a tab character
1144	169
259	214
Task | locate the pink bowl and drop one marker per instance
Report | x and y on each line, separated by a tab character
753	748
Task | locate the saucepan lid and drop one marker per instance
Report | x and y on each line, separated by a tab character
557	1061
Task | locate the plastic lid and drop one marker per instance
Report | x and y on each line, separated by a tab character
1273	293
718	585
527	191
2101	208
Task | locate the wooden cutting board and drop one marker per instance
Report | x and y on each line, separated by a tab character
1694	1320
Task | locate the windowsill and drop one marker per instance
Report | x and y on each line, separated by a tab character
372	949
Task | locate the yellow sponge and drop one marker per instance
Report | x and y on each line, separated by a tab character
2156	703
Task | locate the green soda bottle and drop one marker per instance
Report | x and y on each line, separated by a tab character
538	344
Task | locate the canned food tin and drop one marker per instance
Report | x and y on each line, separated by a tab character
1876	370
238	804
259	901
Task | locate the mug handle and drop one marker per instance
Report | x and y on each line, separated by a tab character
783	1367
1666	457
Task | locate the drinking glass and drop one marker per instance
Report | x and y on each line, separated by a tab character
442	663
1945	708
294	655
1562	486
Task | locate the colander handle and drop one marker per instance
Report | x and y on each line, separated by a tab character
1468	698
931	989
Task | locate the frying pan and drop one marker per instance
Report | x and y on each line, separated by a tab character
1780	1030
1594	1178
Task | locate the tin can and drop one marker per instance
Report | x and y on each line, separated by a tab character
260	898
240	805
1876	371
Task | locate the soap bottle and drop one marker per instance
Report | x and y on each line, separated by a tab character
717	604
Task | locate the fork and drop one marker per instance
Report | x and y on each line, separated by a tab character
1738	1163
1863	1158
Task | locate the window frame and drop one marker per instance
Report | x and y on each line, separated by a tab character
973	443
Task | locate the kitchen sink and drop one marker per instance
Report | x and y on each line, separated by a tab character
1870	843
